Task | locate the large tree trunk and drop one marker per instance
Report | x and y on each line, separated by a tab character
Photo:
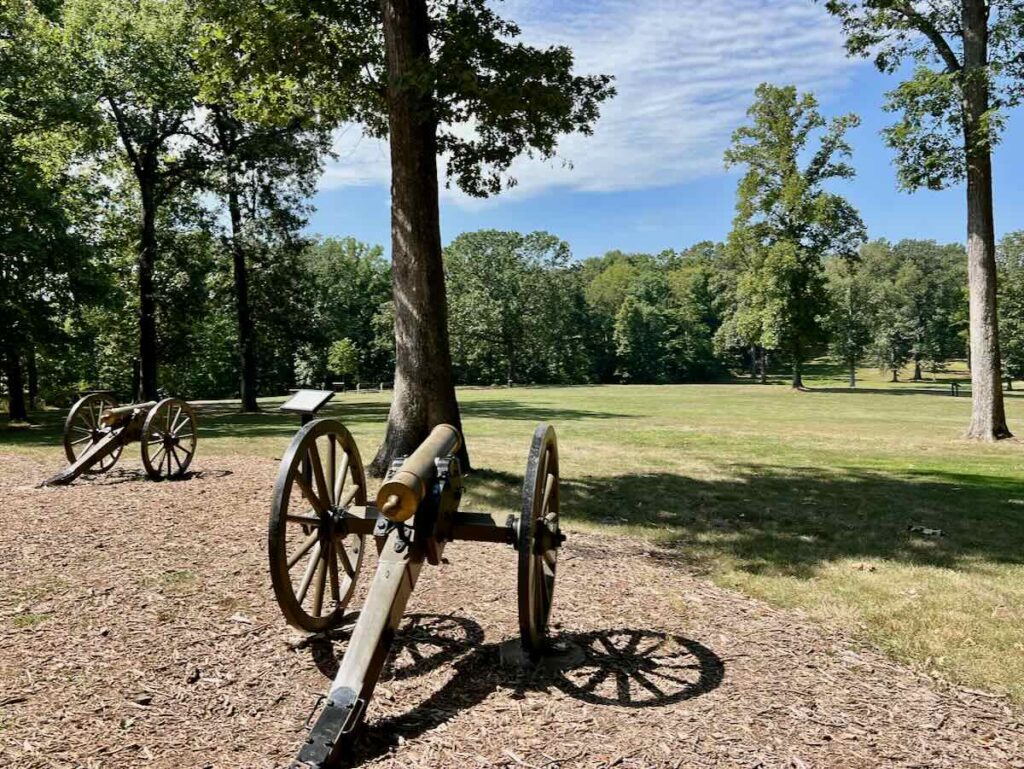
147	300
424	393
15	387
246	336
988	419
917	369
853	373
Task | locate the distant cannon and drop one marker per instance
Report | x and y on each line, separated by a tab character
97	429
320	518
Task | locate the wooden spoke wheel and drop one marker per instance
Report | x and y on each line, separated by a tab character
314	560
168	439
537	539
83	429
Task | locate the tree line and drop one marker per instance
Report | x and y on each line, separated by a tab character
522	311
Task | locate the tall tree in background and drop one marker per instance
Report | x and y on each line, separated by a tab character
132	57
520	99
851	316
46	192
264	136
786	222
1010	259
970	68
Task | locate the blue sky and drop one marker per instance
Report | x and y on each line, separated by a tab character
651	176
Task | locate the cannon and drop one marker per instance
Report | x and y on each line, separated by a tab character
319	524
97	429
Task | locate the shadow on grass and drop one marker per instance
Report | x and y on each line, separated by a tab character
791	521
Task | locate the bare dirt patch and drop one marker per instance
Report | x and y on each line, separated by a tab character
138	628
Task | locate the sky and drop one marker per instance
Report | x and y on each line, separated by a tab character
651	176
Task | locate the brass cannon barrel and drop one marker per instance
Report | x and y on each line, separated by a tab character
401	494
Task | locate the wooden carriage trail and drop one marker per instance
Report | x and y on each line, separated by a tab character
139	628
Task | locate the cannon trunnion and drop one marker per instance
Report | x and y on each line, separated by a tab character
319	524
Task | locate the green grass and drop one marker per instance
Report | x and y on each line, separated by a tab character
803	499
21	621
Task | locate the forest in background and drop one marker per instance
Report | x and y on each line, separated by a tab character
521	310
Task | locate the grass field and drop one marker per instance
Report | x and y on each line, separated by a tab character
803	499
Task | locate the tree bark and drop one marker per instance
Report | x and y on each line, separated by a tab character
246	335
917	370
147	302
853	373
988	418
895	376
798	369
15	387
33	377
763	357
424	394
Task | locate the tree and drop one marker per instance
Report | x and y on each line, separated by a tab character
264	162
132	58
513	314
520	100
348	286
969	57
46	191
852	313
786	222
1010	258
343	358
934	293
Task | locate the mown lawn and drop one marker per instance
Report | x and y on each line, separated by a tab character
802	499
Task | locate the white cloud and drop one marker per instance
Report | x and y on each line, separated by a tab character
685	73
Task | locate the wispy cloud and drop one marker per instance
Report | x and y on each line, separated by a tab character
685	72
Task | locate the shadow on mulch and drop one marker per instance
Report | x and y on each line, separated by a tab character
620	667
123	475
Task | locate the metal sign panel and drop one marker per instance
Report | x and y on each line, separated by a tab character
307	401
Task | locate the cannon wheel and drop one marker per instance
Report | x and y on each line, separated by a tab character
309	547
168	439
538	539
83	429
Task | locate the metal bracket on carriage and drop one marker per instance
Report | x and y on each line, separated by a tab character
336	723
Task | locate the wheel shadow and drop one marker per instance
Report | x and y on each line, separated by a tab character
116	476
619	667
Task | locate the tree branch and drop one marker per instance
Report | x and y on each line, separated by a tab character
926	28
122	131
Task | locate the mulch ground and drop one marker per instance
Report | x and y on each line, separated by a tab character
138	629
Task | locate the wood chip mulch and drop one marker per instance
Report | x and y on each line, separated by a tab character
138	629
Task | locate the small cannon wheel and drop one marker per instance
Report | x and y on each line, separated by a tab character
83	428
538	539
308	543
168	439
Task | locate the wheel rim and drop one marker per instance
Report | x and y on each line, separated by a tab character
169	439
314	561
538	539
83	429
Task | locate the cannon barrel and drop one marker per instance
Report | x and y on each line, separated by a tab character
402	493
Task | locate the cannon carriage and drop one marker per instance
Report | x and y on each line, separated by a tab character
320	522
97	429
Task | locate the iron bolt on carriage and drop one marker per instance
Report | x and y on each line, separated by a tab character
97	430
320	520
